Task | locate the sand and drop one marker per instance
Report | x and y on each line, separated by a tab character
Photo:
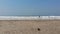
29	27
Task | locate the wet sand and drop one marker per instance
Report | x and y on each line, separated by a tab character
29	27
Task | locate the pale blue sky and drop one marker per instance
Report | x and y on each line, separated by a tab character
30	7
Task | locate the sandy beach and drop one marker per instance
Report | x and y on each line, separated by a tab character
29	27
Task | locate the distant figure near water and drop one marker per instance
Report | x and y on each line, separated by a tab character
39	16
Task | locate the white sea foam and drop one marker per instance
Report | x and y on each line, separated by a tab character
29	17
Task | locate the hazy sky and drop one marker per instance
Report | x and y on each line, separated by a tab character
30	7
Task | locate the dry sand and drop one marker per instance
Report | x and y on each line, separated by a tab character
29	27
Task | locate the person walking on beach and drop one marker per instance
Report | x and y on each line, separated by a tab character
39	16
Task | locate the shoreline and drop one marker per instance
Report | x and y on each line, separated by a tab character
29	17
